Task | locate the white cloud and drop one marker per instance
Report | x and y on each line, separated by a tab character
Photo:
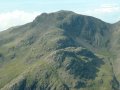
17	17
104	9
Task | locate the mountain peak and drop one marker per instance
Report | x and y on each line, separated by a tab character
59	51
61	13
65	12
52	18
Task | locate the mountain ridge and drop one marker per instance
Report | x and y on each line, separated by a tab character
60	51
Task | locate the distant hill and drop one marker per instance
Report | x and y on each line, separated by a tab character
61	51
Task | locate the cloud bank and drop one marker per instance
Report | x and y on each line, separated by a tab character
104	9
106	12
17	17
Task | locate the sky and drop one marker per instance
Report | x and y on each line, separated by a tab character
18	12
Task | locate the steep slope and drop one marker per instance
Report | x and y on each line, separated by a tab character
115	48
57	51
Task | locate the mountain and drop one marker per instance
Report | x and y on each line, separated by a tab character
60	51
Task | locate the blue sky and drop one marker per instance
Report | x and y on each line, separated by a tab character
17	12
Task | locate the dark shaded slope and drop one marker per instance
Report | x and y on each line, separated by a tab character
87	30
